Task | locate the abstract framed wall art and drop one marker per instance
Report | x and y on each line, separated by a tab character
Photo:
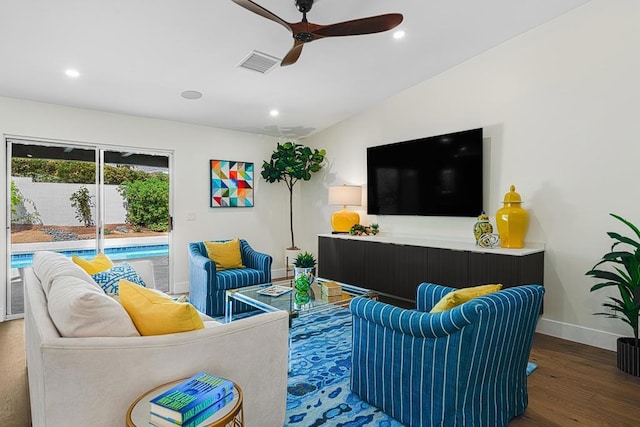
231	184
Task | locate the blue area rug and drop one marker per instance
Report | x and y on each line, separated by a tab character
318	388
318	392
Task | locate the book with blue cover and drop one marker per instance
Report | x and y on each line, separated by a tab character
198	419
190	397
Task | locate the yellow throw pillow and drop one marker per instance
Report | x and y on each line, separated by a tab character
226	255
460	296
157	314
96	265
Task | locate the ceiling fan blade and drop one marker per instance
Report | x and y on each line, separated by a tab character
293	55
373	24
257	9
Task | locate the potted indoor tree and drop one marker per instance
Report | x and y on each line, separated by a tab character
625	275
292	162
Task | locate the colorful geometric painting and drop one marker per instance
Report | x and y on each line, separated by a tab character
231	184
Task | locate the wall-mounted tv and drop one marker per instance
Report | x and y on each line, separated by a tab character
434	176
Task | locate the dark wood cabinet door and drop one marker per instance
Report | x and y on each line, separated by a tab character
448	267
411	269
508	270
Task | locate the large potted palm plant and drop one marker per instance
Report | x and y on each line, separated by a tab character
624	274
292	162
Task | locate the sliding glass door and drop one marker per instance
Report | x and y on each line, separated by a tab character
83	199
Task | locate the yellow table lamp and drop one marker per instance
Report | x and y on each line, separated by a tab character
345	195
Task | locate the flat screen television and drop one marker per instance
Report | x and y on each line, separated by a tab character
435	176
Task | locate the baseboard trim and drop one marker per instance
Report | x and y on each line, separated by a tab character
580	334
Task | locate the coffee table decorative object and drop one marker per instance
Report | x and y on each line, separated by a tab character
303	290
222	407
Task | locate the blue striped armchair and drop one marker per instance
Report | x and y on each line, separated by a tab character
461	367
207	286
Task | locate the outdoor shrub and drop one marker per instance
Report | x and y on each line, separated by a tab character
75	172
82	202
16	197
147	202
19	212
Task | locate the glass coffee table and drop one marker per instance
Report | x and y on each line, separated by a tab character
250	295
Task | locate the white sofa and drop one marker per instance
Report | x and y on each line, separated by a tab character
91	381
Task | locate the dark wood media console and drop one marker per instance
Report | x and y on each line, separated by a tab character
397	266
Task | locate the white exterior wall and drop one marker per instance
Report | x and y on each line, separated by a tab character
52	201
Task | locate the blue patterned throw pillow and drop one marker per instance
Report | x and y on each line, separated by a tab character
110	278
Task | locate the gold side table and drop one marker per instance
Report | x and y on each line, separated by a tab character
231	415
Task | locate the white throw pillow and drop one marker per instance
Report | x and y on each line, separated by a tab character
81	309
48	265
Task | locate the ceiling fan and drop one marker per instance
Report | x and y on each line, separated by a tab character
305	31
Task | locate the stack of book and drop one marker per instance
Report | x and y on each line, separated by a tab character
191	402
331	291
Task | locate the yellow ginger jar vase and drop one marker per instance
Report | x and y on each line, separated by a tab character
512	221
482	226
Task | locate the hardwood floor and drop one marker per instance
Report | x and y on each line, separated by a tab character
578	385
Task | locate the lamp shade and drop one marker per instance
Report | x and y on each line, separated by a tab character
345	195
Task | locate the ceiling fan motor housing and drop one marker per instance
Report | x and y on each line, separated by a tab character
304	6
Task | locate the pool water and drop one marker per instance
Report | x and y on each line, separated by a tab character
116	254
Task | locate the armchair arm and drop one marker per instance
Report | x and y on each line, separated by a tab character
202	277
411	322
256	260
428	295
200	261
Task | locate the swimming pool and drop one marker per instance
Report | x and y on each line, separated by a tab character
116	254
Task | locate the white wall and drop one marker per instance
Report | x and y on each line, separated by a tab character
265	226
560	106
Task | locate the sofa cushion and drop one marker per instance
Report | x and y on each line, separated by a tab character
460	296
226	255
79	308
156	314
110	278
99	263
48	266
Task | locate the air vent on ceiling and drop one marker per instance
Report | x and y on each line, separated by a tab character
258	61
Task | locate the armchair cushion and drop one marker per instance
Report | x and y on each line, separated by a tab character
226	255
157	314
460	296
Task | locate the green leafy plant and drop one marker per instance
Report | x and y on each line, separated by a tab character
19	211
16	198
625	263
147	203
292	162
362	230
304	260
82	202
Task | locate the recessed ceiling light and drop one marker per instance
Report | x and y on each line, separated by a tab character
399	34
73	73
191	94
274	113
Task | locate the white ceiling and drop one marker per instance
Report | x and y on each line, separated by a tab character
137	56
